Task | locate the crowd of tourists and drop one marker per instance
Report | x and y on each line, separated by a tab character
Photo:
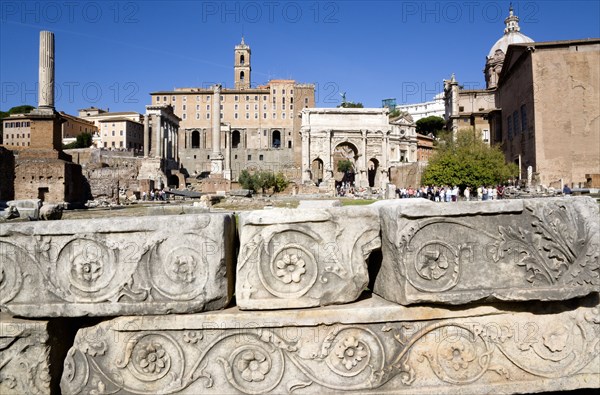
451	193
154	195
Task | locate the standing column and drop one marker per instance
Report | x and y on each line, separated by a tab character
146	135
364	180
305	135
46	71
158	151
329	164
216	157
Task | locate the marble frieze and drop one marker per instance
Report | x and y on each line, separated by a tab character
514	250
370	346
294	258
117	266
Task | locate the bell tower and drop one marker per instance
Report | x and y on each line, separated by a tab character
241	66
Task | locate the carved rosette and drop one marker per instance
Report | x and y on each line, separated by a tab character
178	266
291	273
87	269
435	267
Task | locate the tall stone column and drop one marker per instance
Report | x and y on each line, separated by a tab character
216	158
156	130
305	135
46	71
146	135
328	173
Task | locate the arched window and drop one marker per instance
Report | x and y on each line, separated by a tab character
242	60
235	139
195	139
242	75
276	139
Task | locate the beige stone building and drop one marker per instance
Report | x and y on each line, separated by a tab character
17	129
541	106
259	125
549	96
121	134
364	136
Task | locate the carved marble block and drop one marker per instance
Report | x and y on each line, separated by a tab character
372	346
24	356
304	257
536	249
117	266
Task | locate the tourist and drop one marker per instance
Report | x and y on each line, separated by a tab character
467	193
567	190
484	193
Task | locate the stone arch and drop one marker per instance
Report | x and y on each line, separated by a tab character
276	139
316	169
236	137
173	181
242	76
195	139
372	175
345	151
242	59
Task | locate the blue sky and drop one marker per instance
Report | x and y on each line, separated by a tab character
112	54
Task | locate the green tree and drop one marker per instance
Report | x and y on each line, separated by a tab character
350	104
431	124
281	182
246	180
84	140
345	166
467	161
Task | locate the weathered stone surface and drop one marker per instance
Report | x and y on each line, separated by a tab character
27	207
175	209
302	257
536	249
319	203
117	266
24	356
371	346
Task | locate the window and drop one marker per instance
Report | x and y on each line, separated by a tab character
523	118
164	98
255	115
265	115
184	116
221	107
260	157
242	75
208	116
264	106
274	91
306	100
247	115
197	98
184	107
274	116
282	115
256	107
207	98
174	98
222	98
242	59
197	115
197	107
247	98
208	107
291	99
264	98
283	91
235	115
264	132
185	98
509	126
157	98
121	132
256	98
113	132
236	98
291	91
291	106
516	122
247	107
249	157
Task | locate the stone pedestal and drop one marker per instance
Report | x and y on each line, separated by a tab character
371	346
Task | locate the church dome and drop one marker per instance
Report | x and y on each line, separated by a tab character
512	35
